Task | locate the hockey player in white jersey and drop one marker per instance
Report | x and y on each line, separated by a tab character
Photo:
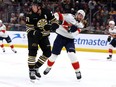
4	35
111	38
70	27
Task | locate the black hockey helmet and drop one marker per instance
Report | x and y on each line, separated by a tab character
37	2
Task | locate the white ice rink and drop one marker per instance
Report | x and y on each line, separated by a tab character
96	70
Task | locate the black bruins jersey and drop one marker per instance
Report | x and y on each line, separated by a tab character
35	21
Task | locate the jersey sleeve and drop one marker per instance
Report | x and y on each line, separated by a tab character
29	21
70	19
80	25
112	31
3	31
3	27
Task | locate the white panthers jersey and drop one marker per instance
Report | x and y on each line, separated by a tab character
3	31
68	20
112	30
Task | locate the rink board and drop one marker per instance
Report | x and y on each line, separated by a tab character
83	42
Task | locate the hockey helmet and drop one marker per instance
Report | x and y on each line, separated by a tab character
112	22
0	21
81	12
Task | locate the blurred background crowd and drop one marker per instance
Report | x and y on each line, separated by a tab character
98	12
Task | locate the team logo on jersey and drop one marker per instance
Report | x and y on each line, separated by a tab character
41	23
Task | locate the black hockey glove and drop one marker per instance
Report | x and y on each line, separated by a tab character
109	38
54	26
47	27
73	28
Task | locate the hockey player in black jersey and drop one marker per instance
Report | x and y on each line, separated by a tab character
39	22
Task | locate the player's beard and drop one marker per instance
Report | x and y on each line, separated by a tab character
39	11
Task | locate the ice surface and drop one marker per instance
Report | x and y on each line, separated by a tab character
96	70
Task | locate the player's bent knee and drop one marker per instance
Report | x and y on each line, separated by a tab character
71	50
72	57
47	54
33	52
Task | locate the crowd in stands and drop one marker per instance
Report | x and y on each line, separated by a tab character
98	12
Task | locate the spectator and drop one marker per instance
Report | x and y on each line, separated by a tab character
10	12
67	6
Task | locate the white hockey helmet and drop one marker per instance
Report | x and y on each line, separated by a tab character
81	12
0	21
112	22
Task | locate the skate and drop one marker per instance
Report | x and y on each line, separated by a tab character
78	75
37	73
32	75
47	70
14	50
109	58
3	49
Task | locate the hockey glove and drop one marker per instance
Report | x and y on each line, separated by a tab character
47	27
109	38
74	29
54	26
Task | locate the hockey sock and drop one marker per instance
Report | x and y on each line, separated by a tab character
74	61
2	45
51	60
40	61
76	66
31	62
110	52
50	63
11	46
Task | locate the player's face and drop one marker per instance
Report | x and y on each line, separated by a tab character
79	17
111	25
35	8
